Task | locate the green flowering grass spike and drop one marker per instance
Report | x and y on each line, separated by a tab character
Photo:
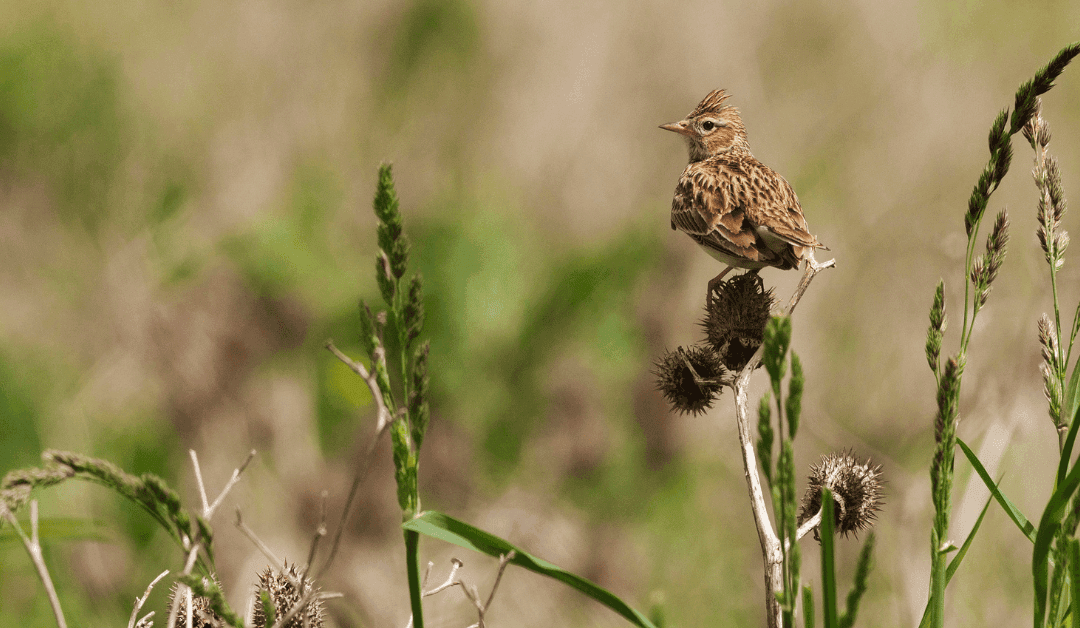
777	339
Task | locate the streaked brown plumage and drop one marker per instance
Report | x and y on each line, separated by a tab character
738	209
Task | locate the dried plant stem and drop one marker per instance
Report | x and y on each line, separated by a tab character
184	590
812	269
33	548
770	542
808	525
142	600
771	552
453	580
383	420
320	532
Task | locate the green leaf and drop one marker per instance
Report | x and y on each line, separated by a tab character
959	558
446	528
828	565
412	565
1074	576
1048	527
1010	509
955	563
1070	406
807	606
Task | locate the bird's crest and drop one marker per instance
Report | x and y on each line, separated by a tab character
713	103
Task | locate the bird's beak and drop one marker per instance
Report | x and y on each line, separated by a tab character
681	127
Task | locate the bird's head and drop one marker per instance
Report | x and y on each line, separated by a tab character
711	128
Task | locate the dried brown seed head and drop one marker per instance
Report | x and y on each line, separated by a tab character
690	379
856	489
735	316
284	594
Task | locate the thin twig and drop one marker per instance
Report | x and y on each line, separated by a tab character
189	564
142	600
189	618
812	269
470	592
199	480
504	560
209	511
33	548
771	553
265	549
383	417
383	420
808	525
320	532
450	581
254	538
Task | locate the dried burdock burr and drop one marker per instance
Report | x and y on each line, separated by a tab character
736	312
690	379
856	489
284	595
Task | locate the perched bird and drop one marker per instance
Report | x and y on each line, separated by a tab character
738	209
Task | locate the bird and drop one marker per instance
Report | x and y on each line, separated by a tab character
739	210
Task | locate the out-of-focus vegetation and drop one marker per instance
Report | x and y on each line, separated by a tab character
184	194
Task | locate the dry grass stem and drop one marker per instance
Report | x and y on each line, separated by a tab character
383	420
470	591
33	548
808	525
771	553
139	602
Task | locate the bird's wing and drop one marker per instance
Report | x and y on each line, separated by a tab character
771	203
707	207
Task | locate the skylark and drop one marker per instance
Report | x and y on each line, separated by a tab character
738	209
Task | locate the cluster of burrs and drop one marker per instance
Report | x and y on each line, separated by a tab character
736	312
277	595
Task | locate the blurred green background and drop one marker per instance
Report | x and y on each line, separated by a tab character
185	218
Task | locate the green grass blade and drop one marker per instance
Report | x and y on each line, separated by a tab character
446	528
807	606
828	565
1048	527
862	573
412	564
955	563
1070	405
1010	509
1074	577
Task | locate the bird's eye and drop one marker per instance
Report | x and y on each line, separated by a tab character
708	125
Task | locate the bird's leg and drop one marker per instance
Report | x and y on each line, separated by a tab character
714	283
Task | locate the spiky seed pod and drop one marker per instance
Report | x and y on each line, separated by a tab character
690	379
856	490
736	314
284	595
202	615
